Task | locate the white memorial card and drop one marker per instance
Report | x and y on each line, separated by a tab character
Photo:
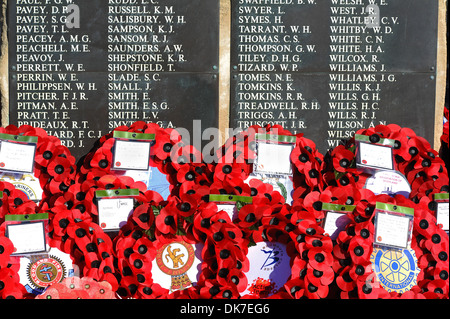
17	157
392	230
442	215
131	155
376	156
27	238
114	212
230	209
335	223
274	158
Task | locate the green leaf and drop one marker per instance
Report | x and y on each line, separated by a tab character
283	190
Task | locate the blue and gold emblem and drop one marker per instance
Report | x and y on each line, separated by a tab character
396	270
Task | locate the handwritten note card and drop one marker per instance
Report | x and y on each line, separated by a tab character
17	157
274	158
442	215
392	230
113	212
131	155
27	238
376	156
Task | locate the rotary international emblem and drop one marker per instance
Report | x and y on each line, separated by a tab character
396	270
175	259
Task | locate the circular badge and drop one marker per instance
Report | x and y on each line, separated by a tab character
177	265
175	258
396	270
46	271
388	182
37	272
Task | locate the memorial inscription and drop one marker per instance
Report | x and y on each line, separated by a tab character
79	69
329	68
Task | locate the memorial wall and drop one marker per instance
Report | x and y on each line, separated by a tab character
330	68
79	69
79	72
130	209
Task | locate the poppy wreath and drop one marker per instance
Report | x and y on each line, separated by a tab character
235	158
182	164
10	286
54	165
13	202
355	275
313	272
74	225
263	221
192	220
413	157
232	282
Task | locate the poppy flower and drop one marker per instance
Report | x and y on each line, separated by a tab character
144	215
295	288
184	154
203	217
49	150
264	193
372	290
18	199
10	287
187	173
249	215
61	168
315	292
360	250
212	289
102	157
320	259
344	281
167	221
6	249
343	159
162	147
300	156
224	171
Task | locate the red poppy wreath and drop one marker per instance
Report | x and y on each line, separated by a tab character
177	165
11	203
179	248
54	167
236	159
413	157
75	225
366	271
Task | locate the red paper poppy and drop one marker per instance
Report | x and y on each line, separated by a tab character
10	288
61	168
167	221
343	159
229	171
6	249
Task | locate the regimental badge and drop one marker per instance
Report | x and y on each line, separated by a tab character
37	272
396	270
176	259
